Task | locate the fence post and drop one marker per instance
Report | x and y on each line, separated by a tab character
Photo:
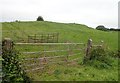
89	46
7	44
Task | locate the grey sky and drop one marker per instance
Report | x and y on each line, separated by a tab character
88	12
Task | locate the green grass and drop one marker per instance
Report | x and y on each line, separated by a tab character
68	32
75	72
77	33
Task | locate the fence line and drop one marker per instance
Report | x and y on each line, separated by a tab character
96	45
50	60
34	69
47	61
49	44
50	57
9	45
39	52
37	68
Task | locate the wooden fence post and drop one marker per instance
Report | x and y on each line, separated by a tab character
7	44
89	46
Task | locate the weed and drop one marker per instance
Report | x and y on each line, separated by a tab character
99	58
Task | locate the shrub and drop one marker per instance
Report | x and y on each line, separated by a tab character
112	29
101	27
12	72
40	18
99	58
115	54
16	21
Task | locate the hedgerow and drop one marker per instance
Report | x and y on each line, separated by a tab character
12	72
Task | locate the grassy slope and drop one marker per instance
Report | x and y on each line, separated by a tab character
68	32
71	33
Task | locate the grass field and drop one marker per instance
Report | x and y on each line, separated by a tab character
77	33
68	32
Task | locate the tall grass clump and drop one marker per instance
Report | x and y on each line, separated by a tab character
99	58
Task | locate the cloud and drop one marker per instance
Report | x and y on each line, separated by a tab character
90	12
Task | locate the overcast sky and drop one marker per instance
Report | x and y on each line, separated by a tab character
88	12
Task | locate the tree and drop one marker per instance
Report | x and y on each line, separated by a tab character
40	18
112	29
101	27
